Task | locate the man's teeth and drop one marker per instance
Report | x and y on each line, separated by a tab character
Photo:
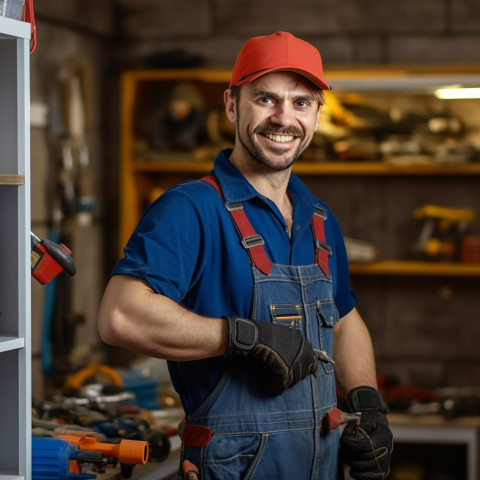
280	138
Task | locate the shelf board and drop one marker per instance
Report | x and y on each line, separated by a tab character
11	343
172	166
416	268
10	28
6	179
321	168
208	75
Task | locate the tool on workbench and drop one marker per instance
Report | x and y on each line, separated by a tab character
48	259
77	379
107	417
127	451
56	459
134	428
443	231
65	456
336	417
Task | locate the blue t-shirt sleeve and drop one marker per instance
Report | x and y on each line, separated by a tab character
164	249
345	298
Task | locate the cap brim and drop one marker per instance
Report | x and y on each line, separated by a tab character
319	82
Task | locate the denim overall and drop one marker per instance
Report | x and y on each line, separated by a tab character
240	432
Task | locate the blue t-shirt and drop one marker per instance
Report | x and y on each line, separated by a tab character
186	247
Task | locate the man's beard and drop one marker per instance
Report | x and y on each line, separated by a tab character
258	154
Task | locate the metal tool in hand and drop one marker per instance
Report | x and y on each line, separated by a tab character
336	417
323	356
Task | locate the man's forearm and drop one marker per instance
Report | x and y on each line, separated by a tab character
353	353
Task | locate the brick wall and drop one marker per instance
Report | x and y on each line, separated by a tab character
345	31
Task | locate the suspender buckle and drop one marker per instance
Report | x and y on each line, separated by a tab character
321	212
252	241
323	246
233	206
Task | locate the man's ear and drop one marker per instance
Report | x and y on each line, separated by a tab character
230	105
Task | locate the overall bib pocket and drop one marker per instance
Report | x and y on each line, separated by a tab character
290	315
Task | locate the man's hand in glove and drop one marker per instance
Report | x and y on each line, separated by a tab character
368	453
281	354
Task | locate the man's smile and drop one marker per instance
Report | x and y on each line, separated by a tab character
275	137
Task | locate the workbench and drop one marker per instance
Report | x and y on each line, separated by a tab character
435	430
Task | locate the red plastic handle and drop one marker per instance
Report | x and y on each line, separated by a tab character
29	17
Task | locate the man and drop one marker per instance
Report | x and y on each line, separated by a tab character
241	281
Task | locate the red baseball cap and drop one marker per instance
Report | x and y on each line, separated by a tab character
279	51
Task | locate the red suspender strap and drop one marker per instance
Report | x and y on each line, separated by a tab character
251	241
322	250
214	183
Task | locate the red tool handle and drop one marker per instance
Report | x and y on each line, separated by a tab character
29	17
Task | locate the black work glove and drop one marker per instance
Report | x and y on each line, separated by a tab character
280	354
369	451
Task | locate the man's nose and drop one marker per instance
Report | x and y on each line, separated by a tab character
283	114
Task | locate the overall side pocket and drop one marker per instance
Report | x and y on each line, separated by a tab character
230	457
327	314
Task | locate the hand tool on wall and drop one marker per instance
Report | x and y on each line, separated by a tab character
75	179
48	259
443	230
72	203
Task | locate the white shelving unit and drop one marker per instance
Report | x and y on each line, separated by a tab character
15	277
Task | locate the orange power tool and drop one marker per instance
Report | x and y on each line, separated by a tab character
127	451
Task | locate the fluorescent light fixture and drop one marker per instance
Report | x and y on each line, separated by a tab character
457	93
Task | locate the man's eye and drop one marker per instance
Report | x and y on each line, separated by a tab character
265	100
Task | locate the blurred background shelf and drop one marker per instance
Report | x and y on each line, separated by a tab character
410	267
184	164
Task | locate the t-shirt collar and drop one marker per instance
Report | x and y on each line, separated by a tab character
236	187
